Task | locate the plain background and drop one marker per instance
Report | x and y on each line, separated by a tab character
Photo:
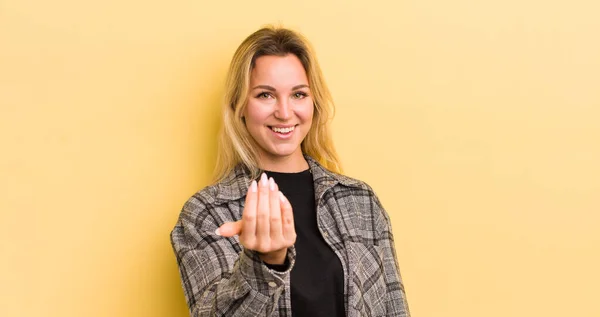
477	123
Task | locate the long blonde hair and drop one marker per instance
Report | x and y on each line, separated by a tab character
235	143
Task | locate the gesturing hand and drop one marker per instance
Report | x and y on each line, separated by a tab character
267	224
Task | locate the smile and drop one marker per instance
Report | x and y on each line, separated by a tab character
283	130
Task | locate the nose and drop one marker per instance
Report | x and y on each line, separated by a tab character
283	109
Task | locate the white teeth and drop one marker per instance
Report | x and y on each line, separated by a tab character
283	130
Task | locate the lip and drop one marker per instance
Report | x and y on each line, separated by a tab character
282	126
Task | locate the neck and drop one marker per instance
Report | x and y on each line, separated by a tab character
284	164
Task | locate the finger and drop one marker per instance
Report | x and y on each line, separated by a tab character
230	229
287	215
275	217
249	215
262	215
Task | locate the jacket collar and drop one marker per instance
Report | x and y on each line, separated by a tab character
236	183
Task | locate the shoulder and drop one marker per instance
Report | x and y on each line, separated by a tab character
203	198
360	191
231	188
322	175
352	182
215	200
353	185
200	206
355	192
361	210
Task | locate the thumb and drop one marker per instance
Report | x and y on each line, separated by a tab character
230	229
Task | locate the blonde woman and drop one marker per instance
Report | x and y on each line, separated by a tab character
281	232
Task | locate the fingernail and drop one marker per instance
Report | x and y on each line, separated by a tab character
253	187
218	232
281	197
263	179
271	183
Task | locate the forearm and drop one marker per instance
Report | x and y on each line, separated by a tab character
219	282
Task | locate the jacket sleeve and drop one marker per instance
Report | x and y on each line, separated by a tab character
219	277
396	303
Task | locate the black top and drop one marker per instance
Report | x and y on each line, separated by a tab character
317	279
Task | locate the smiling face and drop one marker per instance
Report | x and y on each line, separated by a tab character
279	111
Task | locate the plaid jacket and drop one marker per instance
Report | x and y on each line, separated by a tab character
221	278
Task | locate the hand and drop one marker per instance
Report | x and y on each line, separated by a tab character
267	224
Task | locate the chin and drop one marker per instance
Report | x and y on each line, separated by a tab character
282	152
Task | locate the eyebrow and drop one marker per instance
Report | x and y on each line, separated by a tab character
267	87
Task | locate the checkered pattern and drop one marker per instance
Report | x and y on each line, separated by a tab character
221	278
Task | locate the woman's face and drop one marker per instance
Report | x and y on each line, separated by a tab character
280	108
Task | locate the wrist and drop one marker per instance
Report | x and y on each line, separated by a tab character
275	257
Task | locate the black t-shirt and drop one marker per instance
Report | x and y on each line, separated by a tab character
317	279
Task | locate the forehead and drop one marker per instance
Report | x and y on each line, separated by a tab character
278	71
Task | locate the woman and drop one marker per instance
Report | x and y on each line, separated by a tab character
281	232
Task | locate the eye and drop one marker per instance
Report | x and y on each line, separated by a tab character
264	95
300	95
